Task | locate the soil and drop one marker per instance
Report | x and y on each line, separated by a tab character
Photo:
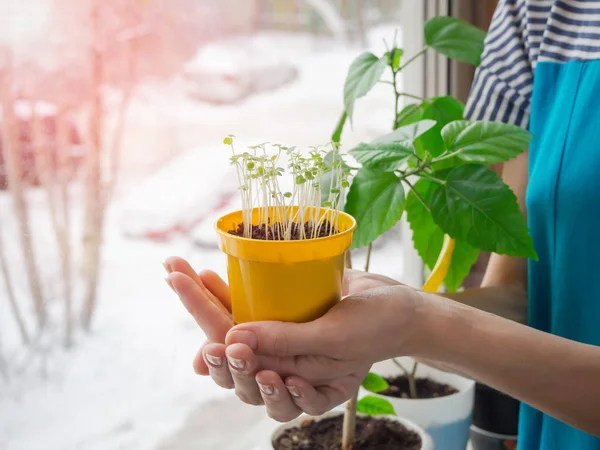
371	434
426	388
275	231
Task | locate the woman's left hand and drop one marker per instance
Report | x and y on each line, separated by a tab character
313	367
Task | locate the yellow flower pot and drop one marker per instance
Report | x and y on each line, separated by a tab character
291	281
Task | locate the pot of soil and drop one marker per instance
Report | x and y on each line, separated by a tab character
325	433
292	280
443	406
495	420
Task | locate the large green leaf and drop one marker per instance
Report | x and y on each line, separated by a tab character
384	156
376	201
485	142
375	383
475	206
375	406
455	38
408	132
428	238
442	110
463	258
337	133
365	71
325	179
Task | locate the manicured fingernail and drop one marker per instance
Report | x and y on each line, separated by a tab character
167	267
293	391
244	337
214	361
267	389
169	283
238	364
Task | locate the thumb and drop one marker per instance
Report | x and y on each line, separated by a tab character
279	338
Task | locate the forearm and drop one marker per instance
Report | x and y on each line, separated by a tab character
504	301
555	375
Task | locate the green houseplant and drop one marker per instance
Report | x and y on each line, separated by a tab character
433	165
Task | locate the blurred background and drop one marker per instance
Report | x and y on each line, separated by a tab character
111	159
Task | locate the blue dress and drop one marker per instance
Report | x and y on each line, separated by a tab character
541	70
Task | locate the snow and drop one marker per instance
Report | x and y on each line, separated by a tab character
129	384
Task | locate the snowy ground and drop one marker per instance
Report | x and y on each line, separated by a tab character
129	385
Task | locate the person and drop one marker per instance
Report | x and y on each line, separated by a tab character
540	70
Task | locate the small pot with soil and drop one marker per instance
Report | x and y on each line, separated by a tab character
294	280
325	433
443	406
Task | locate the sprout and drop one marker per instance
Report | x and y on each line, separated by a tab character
258	170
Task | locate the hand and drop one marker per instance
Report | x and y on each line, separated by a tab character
315	366
206	296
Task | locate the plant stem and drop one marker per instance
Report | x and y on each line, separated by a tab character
396	99
416	97
412	59
368	261
349	426
412	385
348	260
402	368
421	199
448	156
429	177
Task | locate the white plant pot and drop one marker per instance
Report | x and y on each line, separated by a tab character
445	419
267	444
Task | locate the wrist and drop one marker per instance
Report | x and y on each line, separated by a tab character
433	327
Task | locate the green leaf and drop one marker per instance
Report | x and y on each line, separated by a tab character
408	132
375	383
384	156
365	71
428	238
455	38
325	179
485	142
409	114
337	133
376	201
475	206
227	140
375	406
463	258
441	109
396	55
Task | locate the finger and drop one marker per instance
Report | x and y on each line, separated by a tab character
317	401
180	265
215	284
215	358
199	364
278	401
243	365
214	321
281	338
317	370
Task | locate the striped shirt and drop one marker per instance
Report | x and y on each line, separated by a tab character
523	33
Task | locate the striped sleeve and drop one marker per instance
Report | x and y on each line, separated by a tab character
501	90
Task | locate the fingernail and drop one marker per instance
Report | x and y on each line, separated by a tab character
214	361
169	283
245	337
293	391
167	267
267	389
238	364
